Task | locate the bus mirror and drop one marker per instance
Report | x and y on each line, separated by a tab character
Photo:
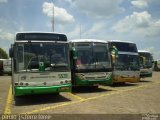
142	60
110	49
11	52
114	52
113	59
74	53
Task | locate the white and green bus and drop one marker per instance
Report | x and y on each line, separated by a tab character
91	62
145	58
126	66
40	63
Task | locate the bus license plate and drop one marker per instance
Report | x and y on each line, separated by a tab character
64	88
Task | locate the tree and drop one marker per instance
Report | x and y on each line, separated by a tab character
3	54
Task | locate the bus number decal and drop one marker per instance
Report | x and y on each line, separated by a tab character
62	75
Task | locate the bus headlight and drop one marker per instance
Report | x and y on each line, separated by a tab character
66	81
44	83
81	76
16	84
21	83
27	84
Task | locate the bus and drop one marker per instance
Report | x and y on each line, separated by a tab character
126	66
40	63
145	59
7	66
91	63
156	65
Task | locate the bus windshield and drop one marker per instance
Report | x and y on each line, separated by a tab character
29	55
125	47
92	56
127	62
145	59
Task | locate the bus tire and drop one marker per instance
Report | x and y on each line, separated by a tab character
96	87
16	99
56	94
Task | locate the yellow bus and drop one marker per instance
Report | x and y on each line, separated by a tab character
126	67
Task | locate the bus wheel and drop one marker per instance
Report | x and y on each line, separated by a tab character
94	87
17	100
1	73
56	94
118	84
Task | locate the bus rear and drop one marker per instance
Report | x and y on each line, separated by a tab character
40	64
145	59
92	64
126	68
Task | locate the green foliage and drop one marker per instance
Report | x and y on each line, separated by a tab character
3	54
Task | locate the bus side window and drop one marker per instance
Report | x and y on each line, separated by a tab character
20	54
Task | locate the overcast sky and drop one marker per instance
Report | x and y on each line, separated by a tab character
130	20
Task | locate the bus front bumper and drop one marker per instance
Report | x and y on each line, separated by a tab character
20	91
121	79
143	75
80	82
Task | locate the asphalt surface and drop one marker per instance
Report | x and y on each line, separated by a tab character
127	101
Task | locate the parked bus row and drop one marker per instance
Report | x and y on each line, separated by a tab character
49	63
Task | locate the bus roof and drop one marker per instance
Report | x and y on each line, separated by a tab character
120	41
144	51
38	32
88	40
40	36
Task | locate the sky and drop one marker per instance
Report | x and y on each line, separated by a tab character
129	20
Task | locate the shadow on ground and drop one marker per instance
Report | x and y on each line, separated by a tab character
89	89
39	99
123	84
144	80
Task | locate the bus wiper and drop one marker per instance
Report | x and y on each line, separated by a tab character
29	63
58	65
100	63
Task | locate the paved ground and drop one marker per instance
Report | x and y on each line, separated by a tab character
125	99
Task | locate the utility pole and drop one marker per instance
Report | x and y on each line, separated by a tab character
80	31
53	17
